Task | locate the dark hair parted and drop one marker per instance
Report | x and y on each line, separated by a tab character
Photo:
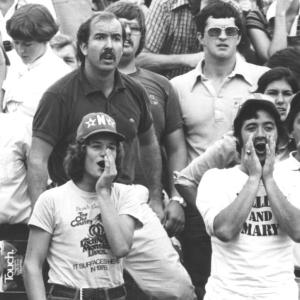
252	113
289	58
75	158
32	22
84	30
277	73
130	11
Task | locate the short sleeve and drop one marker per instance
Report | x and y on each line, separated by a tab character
146	117
211	197
50	118
173	113
131	200
157	24
43	213
287	180
256	20
222	154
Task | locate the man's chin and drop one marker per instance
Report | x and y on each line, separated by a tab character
261	158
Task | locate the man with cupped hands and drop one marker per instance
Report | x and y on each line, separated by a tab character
249	215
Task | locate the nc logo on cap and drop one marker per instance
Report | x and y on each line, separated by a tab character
96	123
100	119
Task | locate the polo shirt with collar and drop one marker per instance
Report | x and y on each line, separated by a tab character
72	97
209	114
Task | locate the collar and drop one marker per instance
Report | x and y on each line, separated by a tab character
41	60
294	163
240	69
89	89
178	3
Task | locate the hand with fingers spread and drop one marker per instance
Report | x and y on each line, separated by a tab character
268	167
250	160
106	179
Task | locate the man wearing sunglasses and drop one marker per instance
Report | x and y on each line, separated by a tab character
209	97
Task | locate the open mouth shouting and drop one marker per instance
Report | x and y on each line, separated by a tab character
260	146
101	164
108	56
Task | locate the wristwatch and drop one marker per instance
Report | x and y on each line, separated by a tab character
178	199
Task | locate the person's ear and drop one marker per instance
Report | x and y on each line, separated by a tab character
200	38
83	48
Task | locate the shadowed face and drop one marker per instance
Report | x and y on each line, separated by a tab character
29	51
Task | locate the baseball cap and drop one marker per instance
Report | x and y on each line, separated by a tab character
259	101
293	112
95	123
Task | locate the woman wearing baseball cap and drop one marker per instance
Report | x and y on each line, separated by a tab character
84	227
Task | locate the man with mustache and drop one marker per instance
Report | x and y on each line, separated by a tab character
155	267
250	216
164	106
96	86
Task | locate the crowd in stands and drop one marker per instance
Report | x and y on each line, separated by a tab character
150	149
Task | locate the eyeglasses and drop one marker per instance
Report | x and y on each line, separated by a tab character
134	28
217	31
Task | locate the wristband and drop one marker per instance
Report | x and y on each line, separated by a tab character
178	199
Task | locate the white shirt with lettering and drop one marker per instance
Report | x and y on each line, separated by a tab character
258	263
79	254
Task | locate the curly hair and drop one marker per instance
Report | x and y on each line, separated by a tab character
32	22
75	158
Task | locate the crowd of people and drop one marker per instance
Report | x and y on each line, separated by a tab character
154	155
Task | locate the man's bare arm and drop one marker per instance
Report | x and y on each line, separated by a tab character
38	168
161	62
152	164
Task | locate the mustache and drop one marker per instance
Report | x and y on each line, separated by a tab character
107	52
129	40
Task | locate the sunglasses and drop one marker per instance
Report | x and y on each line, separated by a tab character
217	31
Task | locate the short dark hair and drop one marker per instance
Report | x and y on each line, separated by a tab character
251	113
84	30
75	158
289	58
220	9
130	11
277	73
32	22
294	110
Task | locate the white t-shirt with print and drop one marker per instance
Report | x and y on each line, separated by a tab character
79	254
258	262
